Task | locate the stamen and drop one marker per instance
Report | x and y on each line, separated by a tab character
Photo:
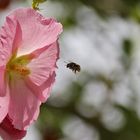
22	70
18	65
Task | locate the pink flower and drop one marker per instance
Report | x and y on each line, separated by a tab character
28	54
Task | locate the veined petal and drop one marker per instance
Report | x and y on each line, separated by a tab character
37	31
41	92
24	105
44	64
2	81
4	52
47	86
8	132
17	39
42	69
4	105
10	39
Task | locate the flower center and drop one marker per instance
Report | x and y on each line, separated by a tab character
17	66
22	70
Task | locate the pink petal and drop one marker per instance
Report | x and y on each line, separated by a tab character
2	81
42	92
37	31
17	39
47	86
43	65
10	39
24	106
8	132
4	105
6	37
42	70
4	52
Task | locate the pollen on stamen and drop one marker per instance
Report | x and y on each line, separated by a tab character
22	70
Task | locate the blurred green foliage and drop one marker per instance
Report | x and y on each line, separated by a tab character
105	7
53	118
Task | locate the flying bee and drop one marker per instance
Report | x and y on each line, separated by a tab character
74	67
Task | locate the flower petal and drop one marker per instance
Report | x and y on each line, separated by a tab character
44	64
42	92
47	86
17	39
24	106
2	81
8	132
37	31
6	37
4	105
42	69
10	39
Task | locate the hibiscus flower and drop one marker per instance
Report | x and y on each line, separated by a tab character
28	54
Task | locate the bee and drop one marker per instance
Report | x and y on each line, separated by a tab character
74	67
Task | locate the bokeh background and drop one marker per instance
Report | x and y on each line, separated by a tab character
102	102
